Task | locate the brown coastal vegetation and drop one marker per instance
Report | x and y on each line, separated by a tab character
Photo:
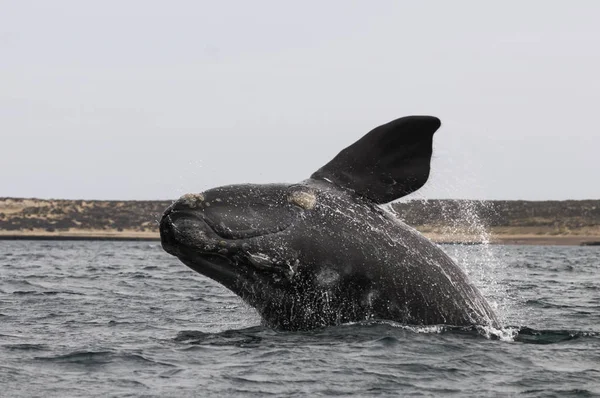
568	222
446	221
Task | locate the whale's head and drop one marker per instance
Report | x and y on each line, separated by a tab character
299	248
230	233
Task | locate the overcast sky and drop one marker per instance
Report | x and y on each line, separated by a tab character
149	100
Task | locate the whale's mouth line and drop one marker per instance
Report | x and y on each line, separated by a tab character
230	234
219	229
198	245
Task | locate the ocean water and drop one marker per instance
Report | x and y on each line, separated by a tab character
126	319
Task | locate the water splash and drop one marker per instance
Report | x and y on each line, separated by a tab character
463	222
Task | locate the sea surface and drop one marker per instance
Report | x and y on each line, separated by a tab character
126	319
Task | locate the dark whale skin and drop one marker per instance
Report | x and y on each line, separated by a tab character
323	252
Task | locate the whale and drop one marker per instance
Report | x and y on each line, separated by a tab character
325	251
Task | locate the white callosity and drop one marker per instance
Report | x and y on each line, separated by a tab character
304	199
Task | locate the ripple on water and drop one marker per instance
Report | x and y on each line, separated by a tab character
94	358
26	347
77	322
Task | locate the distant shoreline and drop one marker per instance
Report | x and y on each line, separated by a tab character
532	240
571	223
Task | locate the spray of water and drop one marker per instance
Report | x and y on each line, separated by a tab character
462	228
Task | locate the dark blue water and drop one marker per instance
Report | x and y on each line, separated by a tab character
126	319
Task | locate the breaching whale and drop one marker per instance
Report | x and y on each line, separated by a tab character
323	252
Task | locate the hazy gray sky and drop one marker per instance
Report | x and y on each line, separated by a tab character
149	100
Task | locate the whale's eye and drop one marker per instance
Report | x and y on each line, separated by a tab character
304	199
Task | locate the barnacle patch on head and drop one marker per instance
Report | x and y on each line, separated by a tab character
303	199
192	200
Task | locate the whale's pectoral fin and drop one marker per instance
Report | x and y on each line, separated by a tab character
389	162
